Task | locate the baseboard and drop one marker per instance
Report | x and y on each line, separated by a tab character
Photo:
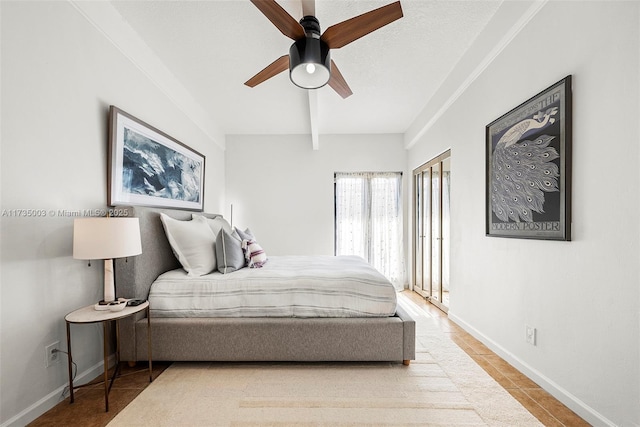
572	402
52	399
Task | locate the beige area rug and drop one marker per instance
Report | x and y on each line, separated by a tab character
443	387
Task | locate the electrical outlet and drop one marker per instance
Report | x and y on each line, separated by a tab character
51	354
531	335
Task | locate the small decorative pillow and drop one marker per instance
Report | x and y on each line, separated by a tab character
229	252
253	252
192	242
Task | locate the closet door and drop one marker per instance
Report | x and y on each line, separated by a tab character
436	233
422	237
417	233
431	230
445	229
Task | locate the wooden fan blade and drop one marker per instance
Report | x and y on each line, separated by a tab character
338	83
276	67
280	18
343	33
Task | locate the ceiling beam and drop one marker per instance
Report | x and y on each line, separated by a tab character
313	118
438	105
108	21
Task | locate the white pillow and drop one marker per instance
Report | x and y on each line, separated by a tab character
216	224
192	242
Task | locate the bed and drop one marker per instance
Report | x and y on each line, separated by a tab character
273	336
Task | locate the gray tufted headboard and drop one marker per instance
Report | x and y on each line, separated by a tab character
134	275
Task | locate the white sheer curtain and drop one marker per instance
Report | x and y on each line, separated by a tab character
369	220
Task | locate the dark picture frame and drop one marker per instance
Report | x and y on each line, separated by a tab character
528	168
147	167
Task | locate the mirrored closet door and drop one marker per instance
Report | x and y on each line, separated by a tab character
431	240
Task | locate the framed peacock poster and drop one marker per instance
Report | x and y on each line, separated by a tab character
528	167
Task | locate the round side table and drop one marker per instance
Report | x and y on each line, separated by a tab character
88	314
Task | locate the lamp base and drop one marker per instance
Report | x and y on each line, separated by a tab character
109	281
101	306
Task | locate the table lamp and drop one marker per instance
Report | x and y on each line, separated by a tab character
106	238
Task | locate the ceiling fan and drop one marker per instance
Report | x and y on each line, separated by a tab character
309	59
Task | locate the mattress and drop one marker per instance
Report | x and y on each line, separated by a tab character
286	286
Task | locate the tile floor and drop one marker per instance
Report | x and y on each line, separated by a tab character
88	409
547	409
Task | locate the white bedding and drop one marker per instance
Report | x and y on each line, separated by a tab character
287	286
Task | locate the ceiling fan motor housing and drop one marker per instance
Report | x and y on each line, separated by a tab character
309	57
311	26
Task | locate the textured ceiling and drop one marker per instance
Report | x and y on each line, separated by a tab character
213	47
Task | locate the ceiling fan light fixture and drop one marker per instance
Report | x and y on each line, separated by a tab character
309	63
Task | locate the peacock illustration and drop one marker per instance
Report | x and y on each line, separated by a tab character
523	170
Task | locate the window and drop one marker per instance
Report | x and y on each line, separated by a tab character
368	220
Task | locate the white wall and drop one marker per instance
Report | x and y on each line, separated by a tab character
582	296
283	190
59	76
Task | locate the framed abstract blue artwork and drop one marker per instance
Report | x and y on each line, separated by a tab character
528	168
149	168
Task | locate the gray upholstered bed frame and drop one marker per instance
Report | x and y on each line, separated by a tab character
245	339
